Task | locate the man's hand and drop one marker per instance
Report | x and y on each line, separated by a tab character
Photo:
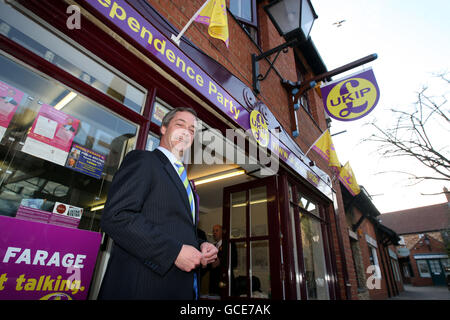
209	253
189	258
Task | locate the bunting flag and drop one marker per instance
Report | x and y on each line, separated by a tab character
347	177
325	148
214	14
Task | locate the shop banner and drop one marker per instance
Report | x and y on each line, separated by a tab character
132	23
51	135
45	262
352	97
10	98
86	161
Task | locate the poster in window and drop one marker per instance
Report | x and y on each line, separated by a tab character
86	161
51	135
10	98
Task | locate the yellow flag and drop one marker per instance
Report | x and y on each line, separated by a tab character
325	148
347	177
214	14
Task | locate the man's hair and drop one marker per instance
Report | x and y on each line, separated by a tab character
169	116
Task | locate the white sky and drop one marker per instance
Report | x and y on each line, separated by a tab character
412	40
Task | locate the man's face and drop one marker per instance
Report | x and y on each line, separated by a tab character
217	232
178	136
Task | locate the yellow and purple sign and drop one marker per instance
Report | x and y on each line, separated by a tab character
41	261
351	98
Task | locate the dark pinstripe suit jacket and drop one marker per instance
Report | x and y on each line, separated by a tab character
147	214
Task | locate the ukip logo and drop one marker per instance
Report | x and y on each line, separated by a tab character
351	98
259	128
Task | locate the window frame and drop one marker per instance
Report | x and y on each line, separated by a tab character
252	24
373	259
322	218
254	21
423	274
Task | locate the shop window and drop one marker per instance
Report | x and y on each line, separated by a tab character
314	258
57	148
245	13
307	204
68	57
395	269
258	212
312	248
424	271
446	265
435	266
260	269
152	142
238	213
374	261
160	109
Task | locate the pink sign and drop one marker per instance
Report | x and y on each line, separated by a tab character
54	128
10	98
45	262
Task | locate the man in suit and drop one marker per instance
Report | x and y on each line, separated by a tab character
152	218
218	266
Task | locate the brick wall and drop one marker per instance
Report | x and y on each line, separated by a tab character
367	227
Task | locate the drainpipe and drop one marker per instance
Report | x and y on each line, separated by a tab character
348	291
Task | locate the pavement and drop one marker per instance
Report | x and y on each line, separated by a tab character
423	293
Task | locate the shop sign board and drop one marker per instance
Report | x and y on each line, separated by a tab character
352	97
45	262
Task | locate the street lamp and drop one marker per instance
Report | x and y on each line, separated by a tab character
293	19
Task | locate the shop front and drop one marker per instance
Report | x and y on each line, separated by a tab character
76	101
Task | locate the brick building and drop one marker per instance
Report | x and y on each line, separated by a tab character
423	249
119	73
373	249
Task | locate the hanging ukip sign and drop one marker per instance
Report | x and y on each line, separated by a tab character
351	98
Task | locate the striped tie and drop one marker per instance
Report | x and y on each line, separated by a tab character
183	175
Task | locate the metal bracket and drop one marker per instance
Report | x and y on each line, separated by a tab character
295	90
257	77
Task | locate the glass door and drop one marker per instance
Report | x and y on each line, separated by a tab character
312	265
251	241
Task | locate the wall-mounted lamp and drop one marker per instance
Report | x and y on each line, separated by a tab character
293	20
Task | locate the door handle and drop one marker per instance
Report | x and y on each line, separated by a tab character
222	285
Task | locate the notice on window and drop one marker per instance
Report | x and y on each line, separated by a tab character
86	161
66	215
51	135
10	98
